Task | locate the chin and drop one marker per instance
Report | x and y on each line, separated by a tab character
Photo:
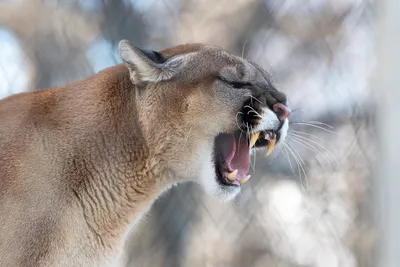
218	191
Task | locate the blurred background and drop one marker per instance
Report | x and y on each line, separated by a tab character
309	203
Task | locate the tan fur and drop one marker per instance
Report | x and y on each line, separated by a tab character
81	162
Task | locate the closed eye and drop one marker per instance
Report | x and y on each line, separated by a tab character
235	84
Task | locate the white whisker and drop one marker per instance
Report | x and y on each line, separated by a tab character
302	163
294	149
315	126
252	97
255	152
247	136
312	141
237	124
253	111
287	158
315	123
304	133
240	137
312	148
320	123
297	162
290	151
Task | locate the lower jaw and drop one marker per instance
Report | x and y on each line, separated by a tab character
231	184
223	181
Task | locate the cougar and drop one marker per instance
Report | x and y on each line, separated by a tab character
81	163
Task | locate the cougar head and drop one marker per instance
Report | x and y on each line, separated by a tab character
203	110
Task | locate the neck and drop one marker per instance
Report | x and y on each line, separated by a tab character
116	177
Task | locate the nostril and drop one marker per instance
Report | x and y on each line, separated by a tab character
281	111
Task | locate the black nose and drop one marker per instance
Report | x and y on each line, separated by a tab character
281	111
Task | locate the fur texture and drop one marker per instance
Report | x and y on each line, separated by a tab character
81	162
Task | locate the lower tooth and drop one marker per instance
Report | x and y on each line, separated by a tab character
245	179
232	175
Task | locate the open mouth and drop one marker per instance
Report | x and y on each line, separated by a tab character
232	154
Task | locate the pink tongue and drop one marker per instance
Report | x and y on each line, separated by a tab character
241	159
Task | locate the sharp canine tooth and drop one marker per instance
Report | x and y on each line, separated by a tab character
253	138
232	175
271	146
245	179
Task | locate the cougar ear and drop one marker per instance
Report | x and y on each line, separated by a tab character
144	65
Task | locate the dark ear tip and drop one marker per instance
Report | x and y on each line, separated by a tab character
124	46
154	56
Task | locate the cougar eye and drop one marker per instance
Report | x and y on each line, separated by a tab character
234	84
